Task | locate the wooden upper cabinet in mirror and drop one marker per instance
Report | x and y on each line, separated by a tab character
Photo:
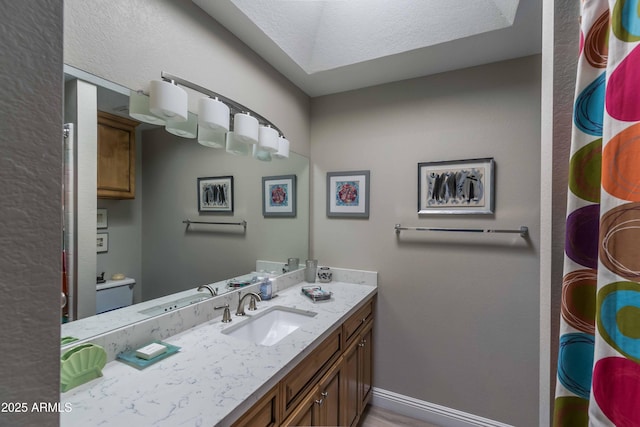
116	157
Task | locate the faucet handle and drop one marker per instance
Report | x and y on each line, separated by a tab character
252	304
226	316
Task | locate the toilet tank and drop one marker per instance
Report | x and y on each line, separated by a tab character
114	294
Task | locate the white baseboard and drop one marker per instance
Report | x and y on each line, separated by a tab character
429	412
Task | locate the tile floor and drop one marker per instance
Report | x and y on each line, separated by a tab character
378	417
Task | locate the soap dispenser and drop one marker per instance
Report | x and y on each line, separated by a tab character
266	289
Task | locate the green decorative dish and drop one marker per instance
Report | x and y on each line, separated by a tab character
67	340
81	364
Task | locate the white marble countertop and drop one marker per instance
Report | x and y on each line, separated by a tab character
215	377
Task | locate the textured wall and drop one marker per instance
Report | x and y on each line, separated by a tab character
131	42
30	217
458	314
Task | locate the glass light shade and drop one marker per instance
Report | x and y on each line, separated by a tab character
268	139
260	154
211	138
283	149
213	114
139	109
245	128
185	129
167	101
236	147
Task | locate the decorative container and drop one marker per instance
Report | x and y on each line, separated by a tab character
81	364
325	275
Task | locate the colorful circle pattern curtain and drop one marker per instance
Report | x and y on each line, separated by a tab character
598	380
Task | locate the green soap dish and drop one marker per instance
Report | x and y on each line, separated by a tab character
130	358
81	364
67	340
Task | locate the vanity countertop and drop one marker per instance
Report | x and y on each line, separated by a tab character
215	377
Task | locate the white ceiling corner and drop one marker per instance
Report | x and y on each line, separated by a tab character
328	46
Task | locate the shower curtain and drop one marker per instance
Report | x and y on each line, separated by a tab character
598	379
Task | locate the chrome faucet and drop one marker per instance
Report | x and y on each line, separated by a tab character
252	304
207	287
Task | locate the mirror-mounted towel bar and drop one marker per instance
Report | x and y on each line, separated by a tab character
242	223
523	231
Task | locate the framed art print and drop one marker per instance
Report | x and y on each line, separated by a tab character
215	194
101	218
102	242
456	187
279	196
348	194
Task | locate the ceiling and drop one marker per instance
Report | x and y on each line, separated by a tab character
330	46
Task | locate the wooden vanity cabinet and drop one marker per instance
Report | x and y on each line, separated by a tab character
116	157
303	377
330	387
263	414
323	405
358	373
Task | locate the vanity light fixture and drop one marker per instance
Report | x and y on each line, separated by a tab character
213	114
246	128
217	115
236	147
260	154
211	138
167	100
268	139
283	149
184	128
139	109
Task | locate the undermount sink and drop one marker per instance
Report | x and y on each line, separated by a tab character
270	326
173	305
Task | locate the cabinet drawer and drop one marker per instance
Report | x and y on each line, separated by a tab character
352	326
263	414
304	376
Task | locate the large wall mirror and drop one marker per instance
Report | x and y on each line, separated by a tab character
145	238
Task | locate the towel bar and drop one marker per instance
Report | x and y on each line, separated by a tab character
523	231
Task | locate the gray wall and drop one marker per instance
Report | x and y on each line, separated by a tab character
457	321
30	218
175	259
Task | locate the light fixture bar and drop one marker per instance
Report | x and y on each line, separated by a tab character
234	106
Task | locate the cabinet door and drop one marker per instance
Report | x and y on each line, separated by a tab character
306	413
330	404
116	157
365	362
350	379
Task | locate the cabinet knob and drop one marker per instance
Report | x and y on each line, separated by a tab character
324	394
362	343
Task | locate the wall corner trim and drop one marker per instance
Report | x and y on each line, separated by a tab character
429	412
